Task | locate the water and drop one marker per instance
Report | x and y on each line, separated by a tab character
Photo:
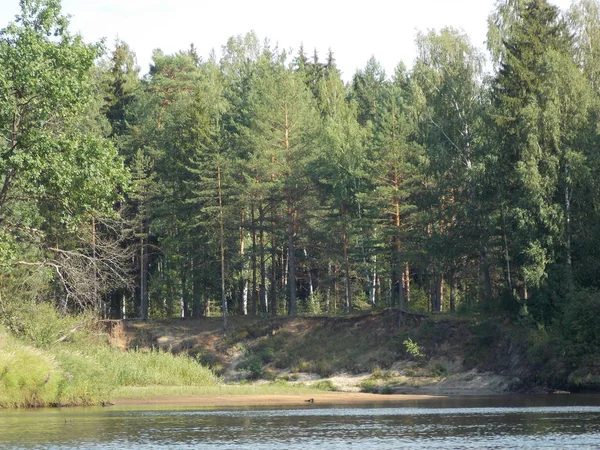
540	422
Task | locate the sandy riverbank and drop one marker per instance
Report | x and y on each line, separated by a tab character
330	398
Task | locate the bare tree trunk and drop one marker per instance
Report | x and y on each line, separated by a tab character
291	210
453	288
123	306
243	280
568	194
328	290
273	273
293	308
185	299
197	307
263	271
348	286
222	246
436	290
506	255
485	270
406	279
143	277
253	306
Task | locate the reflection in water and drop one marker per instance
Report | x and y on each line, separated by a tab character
453	423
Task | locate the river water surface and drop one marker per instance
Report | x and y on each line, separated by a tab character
540	422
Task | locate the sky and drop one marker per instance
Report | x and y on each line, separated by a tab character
354	31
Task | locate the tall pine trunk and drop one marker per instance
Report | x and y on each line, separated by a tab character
222	246
263	269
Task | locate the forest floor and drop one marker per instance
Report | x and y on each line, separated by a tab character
373	352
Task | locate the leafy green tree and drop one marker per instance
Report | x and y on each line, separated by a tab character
56	173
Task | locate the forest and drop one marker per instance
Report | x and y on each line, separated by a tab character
260	183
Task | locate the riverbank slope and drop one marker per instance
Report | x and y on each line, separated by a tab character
373	352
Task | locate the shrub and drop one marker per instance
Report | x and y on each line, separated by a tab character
369	386
39	324
253	366
413	349
325	385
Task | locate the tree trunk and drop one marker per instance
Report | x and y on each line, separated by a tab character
485	270
568	256
263	271
243	280
406	279
293	307
185	296
453	288
373	285
348	286
197	309
273	286
328	290
254	303
143	277
222	247
436	291
506	254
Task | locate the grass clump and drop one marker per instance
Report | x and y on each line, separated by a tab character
325	385
373	387
380	374
28	376
153	368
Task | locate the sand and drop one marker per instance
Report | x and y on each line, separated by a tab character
332	398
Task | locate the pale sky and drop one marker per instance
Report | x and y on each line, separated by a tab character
353	30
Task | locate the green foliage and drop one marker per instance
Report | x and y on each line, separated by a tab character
580	334
40	325
412	348
400	191
369	386
325	385
253	366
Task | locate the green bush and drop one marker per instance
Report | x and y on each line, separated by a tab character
369	386
39	324
253	366
324	385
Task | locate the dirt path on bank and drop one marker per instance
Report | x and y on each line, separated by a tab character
332	398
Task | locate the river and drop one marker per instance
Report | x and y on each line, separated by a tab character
534	422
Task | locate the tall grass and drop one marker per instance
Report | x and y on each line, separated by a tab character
28	376
154	368
48	360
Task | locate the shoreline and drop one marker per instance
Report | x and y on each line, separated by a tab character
331	398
